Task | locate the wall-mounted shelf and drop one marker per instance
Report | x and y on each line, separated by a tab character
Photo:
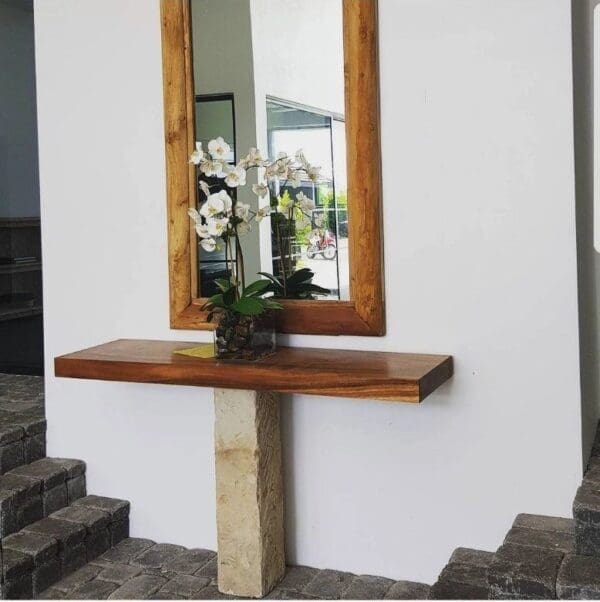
330	372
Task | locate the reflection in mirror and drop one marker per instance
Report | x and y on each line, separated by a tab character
269	74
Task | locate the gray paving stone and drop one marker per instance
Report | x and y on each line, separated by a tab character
47	472
166	596
297	578
471	556
524	571
45	575
157	556
30	512
119	573
579	578
550	540
211	592
119	531
459	581
23	488
127	549
118	509
8	513
34	447
20	588
32	424
329	585
185	585
93	590
11	456
91	518
67	533
139	588
189	561
41	548
15	564
73	558
83	575
408	590
367	587
9	433
76	488
286	594
73	468
54	499
52	593
587	539
210	570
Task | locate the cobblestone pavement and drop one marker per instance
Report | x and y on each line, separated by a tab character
141	569
20	394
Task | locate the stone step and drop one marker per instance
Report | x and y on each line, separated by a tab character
22	438
50	549
586	511
31	492
464	577
526	566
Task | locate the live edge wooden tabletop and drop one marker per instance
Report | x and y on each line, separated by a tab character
330	372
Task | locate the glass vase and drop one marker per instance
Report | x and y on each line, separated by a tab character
239	337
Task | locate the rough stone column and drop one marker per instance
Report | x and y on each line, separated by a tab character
249	492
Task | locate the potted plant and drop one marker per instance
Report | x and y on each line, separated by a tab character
245	313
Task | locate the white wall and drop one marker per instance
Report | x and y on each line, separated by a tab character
480	263
19	185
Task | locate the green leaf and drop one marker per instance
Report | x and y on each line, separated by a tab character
249	306
229	297
271	278
300	276
313	288
272	304
223	284
256	288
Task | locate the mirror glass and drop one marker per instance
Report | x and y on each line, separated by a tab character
269	75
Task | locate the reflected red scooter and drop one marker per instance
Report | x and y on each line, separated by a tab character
322	242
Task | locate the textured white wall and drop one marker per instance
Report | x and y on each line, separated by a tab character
480	263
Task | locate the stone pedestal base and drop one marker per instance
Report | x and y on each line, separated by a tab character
249	492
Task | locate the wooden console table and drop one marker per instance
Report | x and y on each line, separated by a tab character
247	433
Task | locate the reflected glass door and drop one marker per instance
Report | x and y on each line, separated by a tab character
321	244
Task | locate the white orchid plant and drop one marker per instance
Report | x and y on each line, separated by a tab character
222	221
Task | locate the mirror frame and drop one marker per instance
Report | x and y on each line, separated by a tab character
364	314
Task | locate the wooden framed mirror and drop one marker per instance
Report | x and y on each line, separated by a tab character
345	247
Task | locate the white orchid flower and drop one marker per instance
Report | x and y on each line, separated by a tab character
260	190
213	206
314	173
305	203
208	244
262	213
216	227
212	168
295	178
202	230
242	210
197	155
193	213
219	149
204	188
300	158
227	202
235	177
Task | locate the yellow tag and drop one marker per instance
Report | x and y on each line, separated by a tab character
205	351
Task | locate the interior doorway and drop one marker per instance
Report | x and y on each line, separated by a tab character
21	325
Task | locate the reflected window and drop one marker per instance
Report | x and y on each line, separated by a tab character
321	245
